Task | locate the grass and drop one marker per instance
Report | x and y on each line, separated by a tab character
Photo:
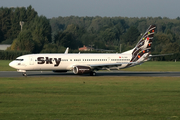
4	65
156	66
147	66
90	98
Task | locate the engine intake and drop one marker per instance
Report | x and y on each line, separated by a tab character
81	70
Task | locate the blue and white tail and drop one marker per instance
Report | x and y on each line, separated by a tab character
143	47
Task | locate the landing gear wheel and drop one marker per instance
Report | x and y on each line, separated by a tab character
24	74
92	73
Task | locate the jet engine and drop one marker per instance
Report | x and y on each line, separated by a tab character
81	70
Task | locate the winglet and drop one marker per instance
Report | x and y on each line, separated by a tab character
67	50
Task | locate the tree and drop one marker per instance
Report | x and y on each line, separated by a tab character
50	48
108	36
30	13
34	35
1	36
10	18
130	37
66	39
171	48
70	37
24	42
41	32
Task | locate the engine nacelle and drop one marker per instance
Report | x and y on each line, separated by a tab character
81	70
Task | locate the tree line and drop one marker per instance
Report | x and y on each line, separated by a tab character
10	19
40	34
109	33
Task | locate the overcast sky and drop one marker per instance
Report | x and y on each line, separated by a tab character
109	8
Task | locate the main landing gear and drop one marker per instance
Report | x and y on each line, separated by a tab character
92	73
24	74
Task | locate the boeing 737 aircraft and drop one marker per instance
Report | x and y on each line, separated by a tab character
87	63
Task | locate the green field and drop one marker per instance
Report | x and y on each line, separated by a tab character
147	66
4	65
90	98
156	66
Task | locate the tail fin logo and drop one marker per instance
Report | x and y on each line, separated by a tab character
143	47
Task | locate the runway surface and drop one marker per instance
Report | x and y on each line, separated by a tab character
100	73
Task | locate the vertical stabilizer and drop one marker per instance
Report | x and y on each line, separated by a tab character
143	47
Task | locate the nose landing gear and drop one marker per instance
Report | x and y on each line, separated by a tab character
23	72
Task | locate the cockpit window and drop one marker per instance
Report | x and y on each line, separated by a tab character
19	59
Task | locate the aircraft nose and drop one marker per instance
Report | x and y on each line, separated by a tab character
11	64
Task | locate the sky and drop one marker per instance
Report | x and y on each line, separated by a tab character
108	8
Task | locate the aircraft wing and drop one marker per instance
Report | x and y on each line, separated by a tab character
100	66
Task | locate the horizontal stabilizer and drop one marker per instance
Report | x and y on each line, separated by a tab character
151	56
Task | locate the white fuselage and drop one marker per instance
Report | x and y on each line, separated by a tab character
67	61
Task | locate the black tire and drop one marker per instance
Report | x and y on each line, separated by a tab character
92	73
24	74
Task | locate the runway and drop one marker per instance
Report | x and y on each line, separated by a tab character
99	73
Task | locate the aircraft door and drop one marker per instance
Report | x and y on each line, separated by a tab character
109	59
31	60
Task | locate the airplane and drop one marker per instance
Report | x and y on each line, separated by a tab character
87	63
